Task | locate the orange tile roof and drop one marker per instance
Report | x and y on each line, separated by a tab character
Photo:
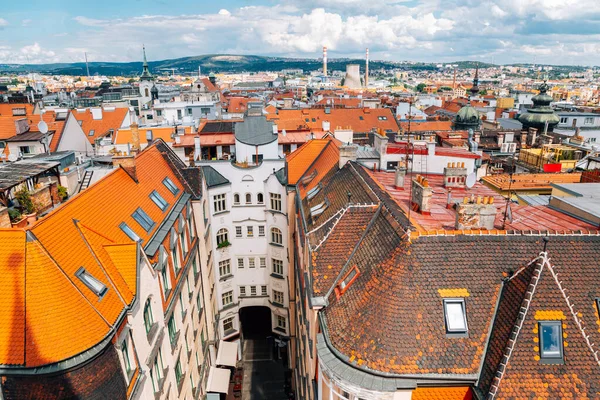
6	109
441	393
207	140
326	162
347	118
337	102
238	104
8	128
421	126
502	182
303	157
111	119
123	136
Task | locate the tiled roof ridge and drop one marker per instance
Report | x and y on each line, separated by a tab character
79	223
343	211
174	162
499	232
524	309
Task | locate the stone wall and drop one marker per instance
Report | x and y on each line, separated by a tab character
4	218
421	195
477	213
42	198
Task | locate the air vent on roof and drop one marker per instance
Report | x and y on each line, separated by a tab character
61	116
327	110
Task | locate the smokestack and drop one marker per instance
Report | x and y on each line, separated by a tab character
325	60
367	70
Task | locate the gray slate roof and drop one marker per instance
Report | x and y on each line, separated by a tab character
213	177
255	131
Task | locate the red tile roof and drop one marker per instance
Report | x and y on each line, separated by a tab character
6	109
421	126
111	119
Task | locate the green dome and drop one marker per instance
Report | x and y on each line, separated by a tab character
541	112
467	115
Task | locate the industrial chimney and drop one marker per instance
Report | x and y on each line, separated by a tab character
367	70
325	60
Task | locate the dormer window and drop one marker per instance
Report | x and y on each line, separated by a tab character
456	316
97	287
143	219
307	179
314	191
159	201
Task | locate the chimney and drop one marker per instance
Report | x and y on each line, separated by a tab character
347	153
275	129
288	102
367	70
477	137
135	137
455	175
149	137
421	195
478	213
325	60
21	126
326	126
96	113
197	149
126	162
500	139
399	176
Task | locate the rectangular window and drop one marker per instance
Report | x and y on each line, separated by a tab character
224	267
158	200
313	192
281	322
261	230
277	297
588	121
277	266
156	372
551	341
251	262
172	330
253	290
199	302
275	201
181	305
129	232
263	262
178	373
263	290
18	111
240	263
346	281
176	265
125	353
238	231
228	324
456	317
250	231
563	120
219	202
143	219
166	282
97	287
170	185
227	298
242	290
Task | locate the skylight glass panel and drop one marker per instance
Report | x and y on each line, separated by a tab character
91	282
551	340
318	209
129	232
348	279
143	219
456	319
159	201
314	191
170	185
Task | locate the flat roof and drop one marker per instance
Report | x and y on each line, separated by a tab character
12	174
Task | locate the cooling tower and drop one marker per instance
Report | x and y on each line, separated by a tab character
352	79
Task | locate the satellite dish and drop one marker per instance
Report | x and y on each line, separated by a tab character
42	127
471	180
12	157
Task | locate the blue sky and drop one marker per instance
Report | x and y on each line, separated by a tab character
502	31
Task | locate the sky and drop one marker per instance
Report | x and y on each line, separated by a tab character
565	32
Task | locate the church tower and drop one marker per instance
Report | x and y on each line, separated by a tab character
146	81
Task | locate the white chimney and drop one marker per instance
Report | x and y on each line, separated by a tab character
326	126
96	113
177	139
274	129
197	148
283	133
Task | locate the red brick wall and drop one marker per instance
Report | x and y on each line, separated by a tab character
592	176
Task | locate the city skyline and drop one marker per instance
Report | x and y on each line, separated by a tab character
416	30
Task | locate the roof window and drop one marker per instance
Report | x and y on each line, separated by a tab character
158	200
92	132
551	342
129	232
314	191
456	317
143	219
318	209
346	281
170	185
91	282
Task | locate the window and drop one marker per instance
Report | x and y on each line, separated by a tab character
248	198
179	113
227	298
129	232
253	290
157	372
275	201
238	231
240	263
172	331
588	121
92	132
277	266
170	185
348	279
563	120
143	219
251	263
382	118
277	297
318	209
175	256
222	238
17	111
263	290
148	320
125	353
219	203
261	230
263	262
159	113
313	192
199	302
551	341
456	317
91	282
225	267
259	198
183	239
228	324
158	200
361	118
236	199
165	280
281	322
250	231
178	373
276	236
242	290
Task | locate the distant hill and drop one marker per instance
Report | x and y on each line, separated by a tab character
213	63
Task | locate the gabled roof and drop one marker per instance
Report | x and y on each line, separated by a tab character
8	128
7	109
124	136
112	119
302	158
213	177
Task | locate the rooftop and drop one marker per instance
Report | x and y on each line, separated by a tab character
255	131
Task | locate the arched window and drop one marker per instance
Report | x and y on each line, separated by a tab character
222	238
276	236
148	319
147	92
248	198
259	198
236	198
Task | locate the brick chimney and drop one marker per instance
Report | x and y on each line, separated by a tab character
421	195
455	175
347	153
135	137
476	213
126	162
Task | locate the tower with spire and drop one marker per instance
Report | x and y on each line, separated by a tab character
468	117
146	80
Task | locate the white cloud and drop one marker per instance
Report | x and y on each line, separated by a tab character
224	12
26	22
3	22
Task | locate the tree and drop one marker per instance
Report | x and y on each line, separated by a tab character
420	87
483	92
445	88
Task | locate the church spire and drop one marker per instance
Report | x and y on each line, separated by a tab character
475	88
146	75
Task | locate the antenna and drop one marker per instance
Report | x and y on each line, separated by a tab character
87	67
471	180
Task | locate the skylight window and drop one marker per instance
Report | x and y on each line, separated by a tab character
456	317
91	282
318	209
346	281
143	219
170	185
551	342
159	201
313	192
129	232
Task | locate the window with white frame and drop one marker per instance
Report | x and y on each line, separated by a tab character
238	231
261	230
126	357
227	298
242	291
277	266
260	198
281	323
222	237
251	262
240	262
224	267
275	201
148	317
157	372
175	257
250	231
263	262
236	199
219	203
588	121
228	324
263	290
248	198
277	297
252	290
456	316
276	236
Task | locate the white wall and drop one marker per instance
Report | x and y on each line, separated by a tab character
74	138
245	152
